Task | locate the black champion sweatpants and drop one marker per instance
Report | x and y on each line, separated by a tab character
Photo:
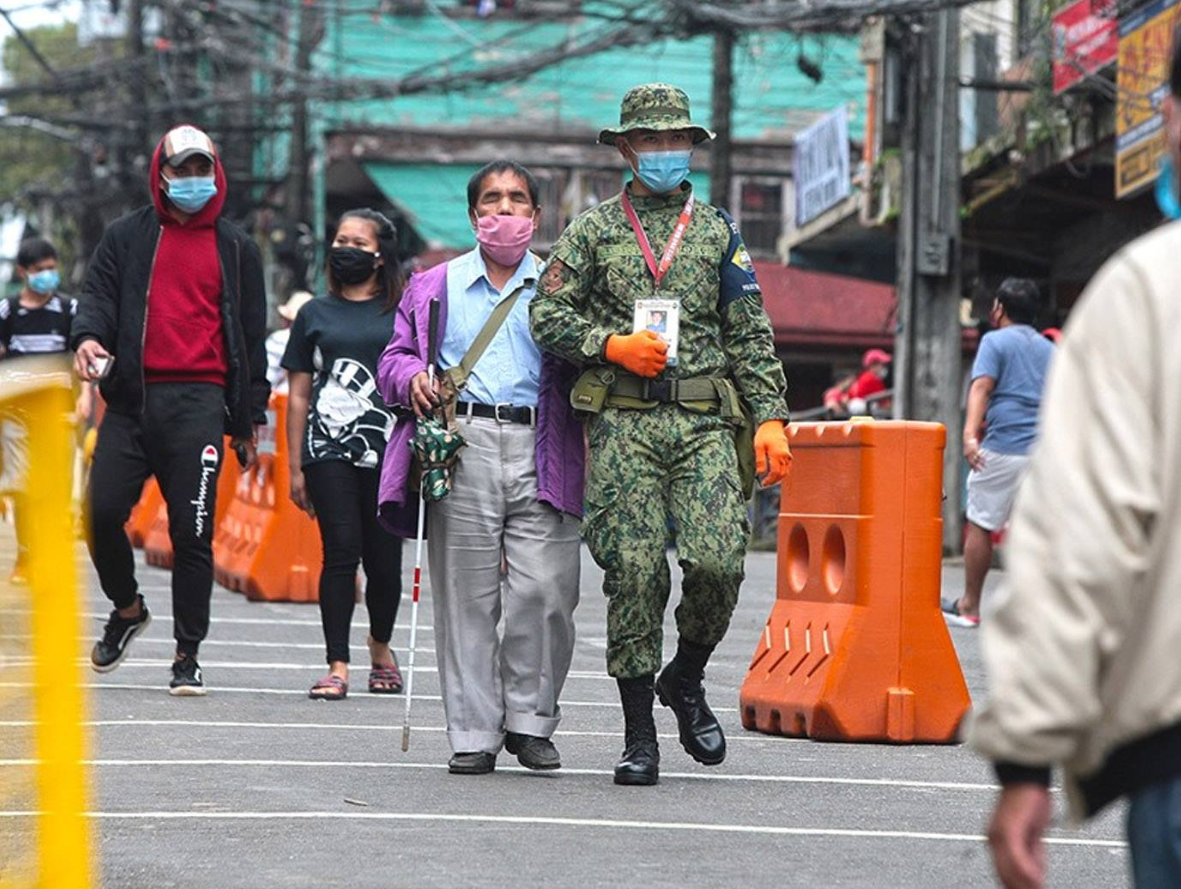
178	439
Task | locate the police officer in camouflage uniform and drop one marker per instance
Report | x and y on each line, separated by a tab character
664	437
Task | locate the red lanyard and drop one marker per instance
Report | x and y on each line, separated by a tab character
674	240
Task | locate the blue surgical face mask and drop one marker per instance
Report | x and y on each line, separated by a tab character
191	193
44	281
1166	189
662	171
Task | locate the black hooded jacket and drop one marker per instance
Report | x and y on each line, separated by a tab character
113	310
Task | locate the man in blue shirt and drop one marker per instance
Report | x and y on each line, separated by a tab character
498	545
1006	395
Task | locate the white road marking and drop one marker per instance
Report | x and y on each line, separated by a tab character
363	727
749	829
296	646
134	686
289	691
262	621
230	643
419	668
225	594
156	664
344	764
363	695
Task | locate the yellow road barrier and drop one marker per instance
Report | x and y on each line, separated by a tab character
39	393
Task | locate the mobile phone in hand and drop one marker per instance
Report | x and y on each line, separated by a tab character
100	368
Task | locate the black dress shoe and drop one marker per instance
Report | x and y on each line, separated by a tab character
640	765
532	752
679	688
471	763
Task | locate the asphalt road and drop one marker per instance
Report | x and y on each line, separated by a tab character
257	787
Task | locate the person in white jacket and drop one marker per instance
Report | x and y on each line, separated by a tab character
1081	642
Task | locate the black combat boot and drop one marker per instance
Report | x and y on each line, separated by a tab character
679	688
641	754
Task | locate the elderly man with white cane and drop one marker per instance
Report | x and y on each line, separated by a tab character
515	494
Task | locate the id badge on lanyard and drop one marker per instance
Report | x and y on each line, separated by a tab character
659	314
662	317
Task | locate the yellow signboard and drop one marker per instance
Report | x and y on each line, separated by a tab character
1145	48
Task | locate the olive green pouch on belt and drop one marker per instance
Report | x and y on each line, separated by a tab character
744	443
733	408
590	391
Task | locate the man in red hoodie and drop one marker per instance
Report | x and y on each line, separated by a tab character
173	325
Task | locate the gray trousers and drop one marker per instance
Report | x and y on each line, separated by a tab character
492	518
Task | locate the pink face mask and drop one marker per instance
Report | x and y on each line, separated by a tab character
505	239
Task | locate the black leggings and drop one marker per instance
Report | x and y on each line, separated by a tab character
345	498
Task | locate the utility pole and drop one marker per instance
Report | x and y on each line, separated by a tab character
722	105
928	367
311	32
133	176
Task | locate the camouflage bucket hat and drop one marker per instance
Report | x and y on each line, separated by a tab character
654	106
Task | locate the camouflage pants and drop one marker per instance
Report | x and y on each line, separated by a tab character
645	467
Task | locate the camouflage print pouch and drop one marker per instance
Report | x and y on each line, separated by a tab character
451	382
448	396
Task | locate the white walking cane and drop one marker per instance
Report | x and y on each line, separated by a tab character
432	339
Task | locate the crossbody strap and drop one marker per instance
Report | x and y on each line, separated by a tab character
459	375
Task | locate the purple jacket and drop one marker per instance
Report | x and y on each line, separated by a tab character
560	455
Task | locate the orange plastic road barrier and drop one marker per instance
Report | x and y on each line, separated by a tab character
158	545
145	513
265	546
856	648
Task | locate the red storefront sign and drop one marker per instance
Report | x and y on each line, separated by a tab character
1085	39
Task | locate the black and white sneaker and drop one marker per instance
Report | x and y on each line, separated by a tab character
109	651
186	678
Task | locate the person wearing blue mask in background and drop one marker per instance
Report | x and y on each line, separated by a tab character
36	321
173	322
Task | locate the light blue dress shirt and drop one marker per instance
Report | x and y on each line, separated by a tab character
510	369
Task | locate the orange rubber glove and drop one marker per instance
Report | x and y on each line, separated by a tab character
644	353
772	452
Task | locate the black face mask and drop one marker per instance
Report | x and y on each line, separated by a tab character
351	265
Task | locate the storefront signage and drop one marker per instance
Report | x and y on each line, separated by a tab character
1142	80
1086	39
821	166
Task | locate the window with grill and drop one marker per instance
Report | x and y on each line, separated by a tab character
760	214
1031	24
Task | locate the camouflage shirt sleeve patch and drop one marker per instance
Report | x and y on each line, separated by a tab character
737	272
556	274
